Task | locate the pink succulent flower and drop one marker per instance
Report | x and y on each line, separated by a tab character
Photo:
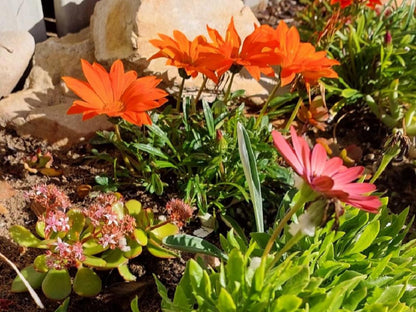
330	178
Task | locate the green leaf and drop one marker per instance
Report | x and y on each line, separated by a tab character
77	222
135	249
235	268
57	284
134	304
209	118
40	264
134	207
64	306
94	262
148	148
34	278
161	164
23	236
158	251
156	183
347	93
165	230
286	303
225	302
125	273
365	239
250	171
114	258
87	283
140	236
193	244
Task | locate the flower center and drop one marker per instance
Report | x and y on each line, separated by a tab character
114	107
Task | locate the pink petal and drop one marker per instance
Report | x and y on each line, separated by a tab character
287	152
318	159
302	152
366	203
348	175
332	166
322	184
359	188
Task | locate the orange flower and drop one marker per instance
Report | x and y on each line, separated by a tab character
250	54
115	94
193	56
315	115
298	57
345	3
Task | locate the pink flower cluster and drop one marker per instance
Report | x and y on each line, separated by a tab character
49	197
64	255
179	211
110	228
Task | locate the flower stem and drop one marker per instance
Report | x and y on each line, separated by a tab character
227	93
294	113
304	195
179	98
292	241
388	156
204	82
123	155
265	106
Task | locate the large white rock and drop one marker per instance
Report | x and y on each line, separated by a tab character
40	109
16	50
123	28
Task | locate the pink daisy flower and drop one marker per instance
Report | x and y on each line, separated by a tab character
330	178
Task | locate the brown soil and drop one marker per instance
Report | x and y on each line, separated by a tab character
358	128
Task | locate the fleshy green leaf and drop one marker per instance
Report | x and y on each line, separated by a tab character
87	283
57	284
125	273
23	236
34	278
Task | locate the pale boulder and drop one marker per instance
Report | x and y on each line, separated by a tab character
40	109
16	50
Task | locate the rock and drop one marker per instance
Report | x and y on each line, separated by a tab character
256	5
72	15
23	15
114	29
144	20
40	109
57	57
16	50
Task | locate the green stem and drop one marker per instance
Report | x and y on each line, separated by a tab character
227	93
392	152
265	106
178	100
204	82
294	113
304	195
123	155
292	241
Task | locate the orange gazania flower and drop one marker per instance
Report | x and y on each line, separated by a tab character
296	57
193	56
115	94
250	54
345	3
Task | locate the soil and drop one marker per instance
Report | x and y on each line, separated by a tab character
359	127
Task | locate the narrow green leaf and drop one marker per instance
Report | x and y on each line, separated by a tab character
148	148
225	302
189	243
209	118
250	171
134	304
64	306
